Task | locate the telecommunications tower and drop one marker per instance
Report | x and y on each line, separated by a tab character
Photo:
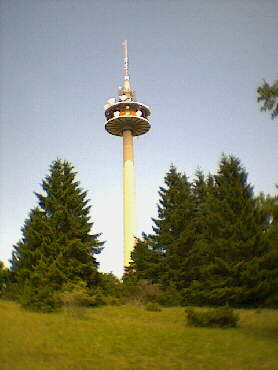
127	117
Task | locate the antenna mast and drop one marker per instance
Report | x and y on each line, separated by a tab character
126	74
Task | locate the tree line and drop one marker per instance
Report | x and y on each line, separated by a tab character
213	242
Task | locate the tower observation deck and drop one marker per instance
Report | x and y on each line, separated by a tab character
127	117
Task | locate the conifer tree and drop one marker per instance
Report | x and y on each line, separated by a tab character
168	247
213	240
268	263
201	187
146	260
230	241
57	246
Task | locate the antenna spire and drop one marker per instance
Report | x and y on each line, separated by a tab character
126	74
126	92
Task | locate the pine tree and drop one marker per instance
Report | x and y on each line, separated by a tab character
57	246
230	241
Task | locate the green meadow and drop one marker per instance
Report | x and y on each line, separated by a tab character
129	337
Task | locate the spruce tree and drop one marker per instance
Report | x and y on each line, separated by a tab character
191	262
173	231
146	260
268	263
57	246
230	241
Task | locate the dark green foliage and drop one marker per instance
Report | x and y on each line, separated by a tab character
174	229
170	296
222	317
161	257
130	282
110	285
214	242
38	298
231	246
147	259
57	246
268	97
111	289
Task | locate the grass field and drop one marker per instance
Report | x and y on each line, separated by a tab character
128	337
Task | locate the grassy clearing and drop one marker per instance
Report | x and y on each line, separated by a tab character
129	337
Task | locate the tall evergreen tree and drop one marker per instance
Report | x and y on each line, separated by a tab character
213	239
201	188
231	241
57	246
268	263
161	256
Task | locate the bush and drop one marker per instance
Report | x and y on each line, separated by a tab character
223	317
38	299
71	307
148	292
141	291
76	296
153	307
12	292
272	301
110	285
112	301
170	297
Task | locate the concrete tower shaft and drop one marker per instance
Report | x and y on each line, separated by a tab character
127	118
129	195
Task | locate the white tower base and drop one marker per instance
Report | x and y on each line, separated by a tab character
129	196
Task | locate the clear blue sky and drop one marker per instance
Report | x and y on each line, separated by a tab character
197	64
